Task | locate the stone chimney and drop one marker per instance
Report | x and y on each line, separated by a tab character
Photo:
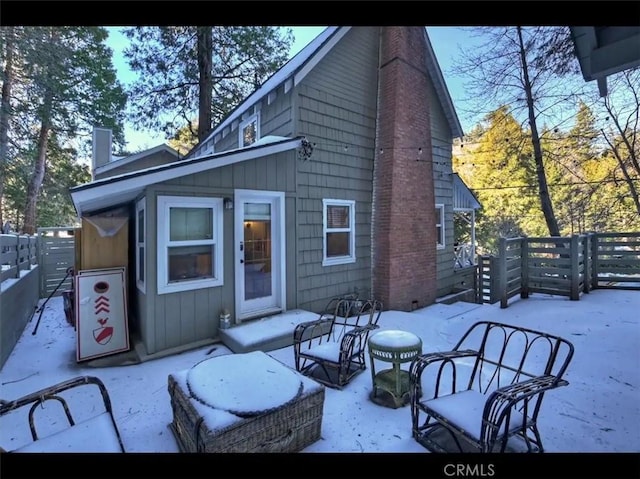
404	246
101	149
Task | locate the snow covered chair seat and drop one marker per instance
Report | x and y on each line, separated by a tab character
90	428
331	349
485	394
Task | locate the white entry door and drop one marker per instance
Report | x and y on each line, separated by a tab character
260	253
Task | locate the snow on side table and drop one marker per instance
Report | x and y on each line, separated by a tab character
244	403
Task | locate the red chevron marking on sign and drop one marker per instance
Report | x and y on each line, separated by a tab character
102	309
102	298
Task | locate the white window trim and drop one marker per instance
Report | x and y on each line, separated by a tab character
255	117
352	230
166	202
140	207
440	242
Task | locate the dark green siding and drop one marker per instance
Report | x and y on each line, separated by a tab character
174	319
443	183
275	119
336	110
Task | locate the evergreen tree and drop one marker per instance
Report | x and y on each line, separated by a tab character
65	86
500	170
198	72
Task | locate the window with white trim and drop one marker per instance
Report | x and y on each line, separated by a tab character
141	230
249	131
189	243
338	232
440	226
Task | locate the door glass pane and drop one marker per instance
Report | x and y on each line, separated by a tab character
190	224
257	251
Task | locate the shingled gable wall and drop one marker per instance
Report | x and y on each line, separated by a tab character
404	242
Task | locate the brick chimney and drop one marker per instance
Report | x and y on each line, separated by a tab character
101	149
404	233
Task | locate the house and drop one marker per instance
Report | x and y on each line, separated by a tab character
605	50
105	164
333	177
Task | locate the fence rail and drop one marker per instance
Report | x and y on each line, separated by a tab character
57	255
17	253
564	266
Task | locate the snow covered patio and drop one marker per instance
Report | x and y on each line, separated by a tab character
598	412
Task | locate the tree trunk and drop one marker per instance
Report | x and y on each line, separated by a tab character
37	177
5	112
205	80
545	198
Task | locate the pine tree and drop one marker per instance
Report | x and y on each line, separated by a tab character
66	84
188	72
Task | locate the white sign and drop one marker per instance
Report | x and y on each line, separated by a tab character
101	312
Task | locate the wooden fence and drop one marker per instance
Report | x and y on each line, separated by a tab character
18	288
563	266
56	247
17	253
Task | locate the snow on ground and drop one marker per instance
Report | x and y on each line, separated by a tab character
598	412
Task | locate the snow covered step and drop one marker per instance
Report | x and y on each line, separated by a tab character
266	334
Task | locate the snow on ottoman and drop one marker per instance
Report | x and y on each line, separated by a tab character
244	403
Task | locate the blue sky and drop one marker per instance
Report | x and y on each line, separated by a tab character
445	41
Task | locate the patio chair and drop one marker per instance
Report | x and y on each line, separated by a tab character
485	395
91	429
331	349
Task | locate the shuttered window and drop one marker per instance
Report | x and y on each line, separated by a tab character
338	232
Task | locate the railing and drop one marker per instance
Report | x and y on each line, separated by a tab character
17	253
463	255
18	288
563	266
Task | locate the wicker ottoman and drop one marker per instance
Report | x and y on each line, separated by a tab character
216	411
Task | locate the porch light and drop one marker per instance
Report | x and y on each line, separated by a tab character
228	204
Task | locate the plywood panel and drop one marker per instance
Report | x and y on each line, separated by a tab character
103	251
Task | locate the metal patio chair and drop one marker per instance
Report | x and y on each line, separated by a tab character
331	349
90	428
485	395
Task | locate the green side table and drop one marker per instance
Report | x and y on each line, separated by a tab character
391	386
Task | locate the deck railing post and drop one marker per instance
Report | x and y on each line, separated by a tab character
524	268
586	254
574	292
594	261
502	272
17	256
